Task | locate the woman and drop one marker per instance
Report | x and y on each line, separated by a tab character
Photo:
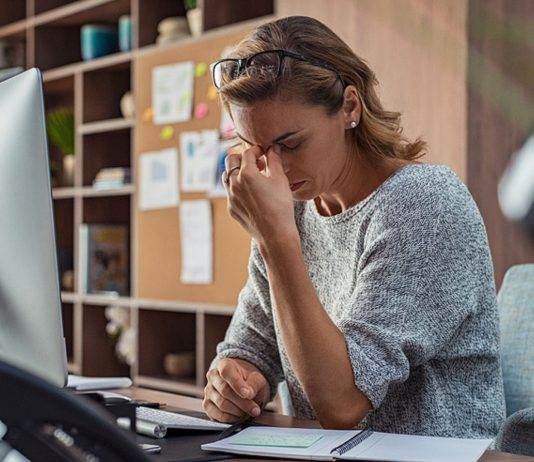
370	287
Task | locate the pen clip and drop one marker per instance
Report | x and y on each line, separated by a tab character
232	430
237	427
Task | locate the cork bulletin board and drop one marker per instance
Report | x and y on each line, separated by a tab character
157	232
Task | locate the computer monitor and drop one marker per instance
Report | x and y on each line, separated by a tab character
31	333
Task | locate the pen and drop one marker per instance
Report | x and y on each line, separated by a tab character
151	404
143	427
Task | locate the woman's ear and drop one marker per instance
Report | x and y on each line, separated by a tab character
352	107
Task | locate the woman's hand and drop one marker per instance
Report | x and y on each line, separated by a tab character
259	197
236	391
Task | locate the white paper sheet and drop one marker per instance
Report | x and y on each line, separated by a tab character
199	152
159	179
196	242
172	92
218	188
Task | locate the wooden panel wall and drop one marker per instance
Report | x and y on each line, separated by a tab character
417	49
500	113
461	73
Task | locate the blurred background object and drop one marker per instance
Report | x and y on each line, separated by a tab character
516	187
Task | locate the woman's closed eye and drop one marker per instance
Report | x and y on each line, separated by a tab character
289	146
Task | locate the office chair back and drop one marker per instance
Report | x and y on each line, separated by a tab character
516	436
516	309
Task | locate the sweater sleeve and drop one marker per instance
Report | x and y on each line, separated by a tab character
251	334
416	290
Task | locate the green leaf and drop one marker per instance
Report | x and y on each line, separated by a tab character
190	4
60	129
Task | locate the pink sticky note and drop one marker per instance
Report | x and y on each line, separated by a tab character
201	110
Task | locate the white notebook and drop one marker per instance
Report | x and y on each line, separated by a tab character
319	444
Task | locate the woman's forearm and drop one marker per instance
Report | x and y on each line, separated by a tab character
315	346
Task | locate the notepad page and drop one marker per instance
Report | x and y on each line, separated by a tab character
291	443
412	448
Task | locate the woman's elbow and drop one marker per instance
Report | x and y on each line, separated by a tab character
336	419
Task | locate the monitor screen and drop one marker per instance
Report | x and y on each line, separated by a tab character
31	333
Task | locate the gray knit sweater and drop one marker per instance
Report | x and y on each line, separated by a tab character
406	275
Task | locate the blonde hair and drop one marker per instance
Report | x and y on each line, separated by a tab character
379	133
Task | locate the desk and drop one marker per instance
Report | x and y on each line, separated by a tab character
194	404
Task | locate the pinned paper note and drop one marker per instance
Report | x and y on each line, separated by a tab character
198	156
200	69
201	110
159	179
172	92
166	133
224	147
196	242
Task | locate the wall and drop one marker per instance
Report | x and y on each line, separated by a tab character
462	73
417	49
500	113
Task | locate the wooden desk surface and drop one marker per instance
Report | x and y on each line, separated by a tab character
195	404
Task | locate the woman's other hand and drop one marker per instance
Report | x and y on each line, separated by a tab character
236	390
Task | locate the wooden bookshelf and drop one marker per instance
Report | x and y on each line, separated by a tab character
50	33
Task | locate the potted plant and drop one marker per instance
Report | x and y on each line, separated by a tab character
60	129
194	17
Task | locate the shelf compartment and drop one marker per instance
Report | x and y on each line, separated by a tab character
64	227
218	13
98	349
113	210
103	150
215	326
151	13
110	84
12	11
67	314
59	29
58	94
183	387
160	333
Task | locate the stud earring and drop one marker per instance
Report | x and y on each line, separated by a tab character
353	124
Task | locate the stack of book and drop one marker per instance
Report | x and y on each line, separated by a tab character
112	178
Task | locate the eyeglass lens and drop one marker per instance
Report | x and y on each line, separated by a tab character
263	66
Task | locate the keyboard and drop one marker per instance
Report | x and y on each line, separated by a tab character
166	419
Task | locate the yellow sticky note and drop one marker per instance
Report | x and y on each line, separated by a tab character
166	133
200	69
212	93
147	115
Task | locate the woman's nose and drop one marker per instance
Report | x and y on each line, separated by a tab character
276	149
